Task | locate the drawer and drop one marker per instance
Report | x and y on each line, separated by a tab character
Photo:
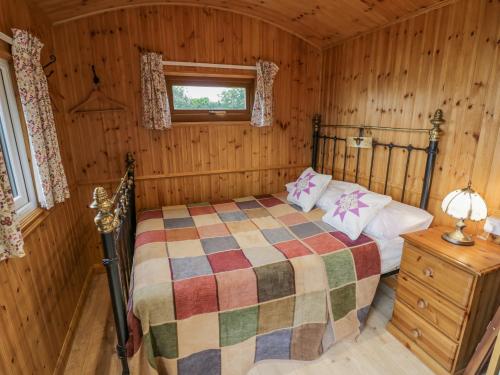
428	338
443	315
437	273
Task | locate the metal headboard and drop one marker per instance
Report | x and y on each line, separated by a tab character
116	222
322	143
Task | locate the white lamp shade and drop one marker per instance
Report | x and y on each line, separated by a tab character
465	204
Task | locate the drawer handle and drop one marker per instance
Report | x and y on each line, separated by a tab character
428	272
416	333
422	303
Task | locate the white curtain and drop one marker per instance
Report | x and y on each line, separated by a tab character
11	240
262	113
156	109
35	99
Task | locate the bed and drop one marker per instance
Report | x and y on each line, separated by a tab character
212	288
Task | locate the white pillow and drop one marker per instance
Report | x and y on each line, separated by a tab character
308	189
397	218
344	185
354	210
329	197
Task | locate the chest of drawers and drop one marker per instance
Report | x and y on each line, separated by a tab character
445	297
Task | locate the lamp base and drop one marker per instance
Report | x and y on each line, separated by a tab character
458	237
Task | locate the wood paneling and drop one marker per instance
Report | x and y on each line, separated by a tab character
190	162
399	75
321	22
38	293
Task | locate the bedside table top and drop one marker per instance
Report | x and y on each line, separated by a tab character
482	257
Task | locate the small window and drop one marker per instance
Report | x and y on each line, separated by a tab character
210	99
13	146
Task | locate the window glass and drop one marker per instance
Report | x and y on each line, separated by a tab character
209	97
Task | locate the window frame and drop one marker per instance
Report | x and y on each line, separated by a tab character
14	146
199	115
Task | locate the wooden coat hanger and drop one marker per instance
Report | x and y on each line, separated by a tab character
97	95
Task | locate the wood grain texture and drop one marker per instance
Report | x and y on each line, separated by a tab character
420	328
321	22
399	75
190	162
38	293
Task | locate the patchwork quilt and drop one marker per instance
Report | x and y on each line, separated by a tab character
220	286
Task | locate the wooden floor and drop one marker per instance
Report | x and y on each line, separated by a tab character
374	352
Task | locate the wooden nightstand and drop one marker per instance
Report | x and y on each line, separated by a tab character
445	297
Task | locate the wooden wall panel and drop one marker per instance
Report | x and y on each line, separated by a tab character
38	293
190	162
399	75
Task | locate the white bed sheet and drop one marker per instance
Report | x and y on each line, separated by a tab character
390	253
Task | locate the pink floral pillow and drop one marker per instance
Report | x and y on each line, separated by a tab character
355	208
308	189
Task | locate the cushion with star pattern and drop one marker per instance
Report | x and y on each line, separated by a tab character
354	209
308	189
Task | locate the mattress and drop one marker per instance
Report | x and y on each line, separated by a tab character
390	253
219	286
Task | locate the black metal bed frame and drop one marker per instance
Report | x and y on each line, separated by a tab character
116	216
322	143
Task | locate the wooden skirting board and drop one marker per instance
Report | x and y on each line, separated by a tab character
66	348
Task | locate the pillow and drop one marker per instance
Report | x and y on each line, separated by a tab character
329	197
397	218
289	186
344	185
308	189
354	209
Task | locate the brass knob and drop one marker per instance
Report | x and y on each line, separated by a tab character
428	272
416	333
422	303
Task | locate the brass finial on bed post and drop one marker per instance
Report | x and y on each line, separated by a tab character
436	121
105	220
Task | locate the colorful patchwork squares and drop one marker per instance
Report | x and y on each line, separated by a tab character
238	325
236	289
197	295
219	286
275	281
362	239
292	249
276	235
198	333
181	234
183	249
343	300
232	216
246	205
324	243
150	236
339	268
201	210
260	256
310	308
250	239
216	244
274	345
367	263
306	342
305	230
182	222
228	261
274	315
183	268
207	362
215	230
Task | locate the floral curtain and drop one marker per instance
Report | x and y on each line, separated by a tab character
156	110
11	240
262	113
34	92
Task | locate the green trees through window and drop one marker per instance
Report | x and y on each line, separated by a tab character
209	98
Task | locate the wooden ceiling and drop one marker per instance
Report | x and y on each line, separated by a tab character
320	22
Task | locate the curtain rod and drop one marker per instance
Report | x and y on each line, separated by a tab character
6	38
208	65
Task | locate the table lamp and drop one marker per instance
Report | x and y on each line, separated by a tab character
463	204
